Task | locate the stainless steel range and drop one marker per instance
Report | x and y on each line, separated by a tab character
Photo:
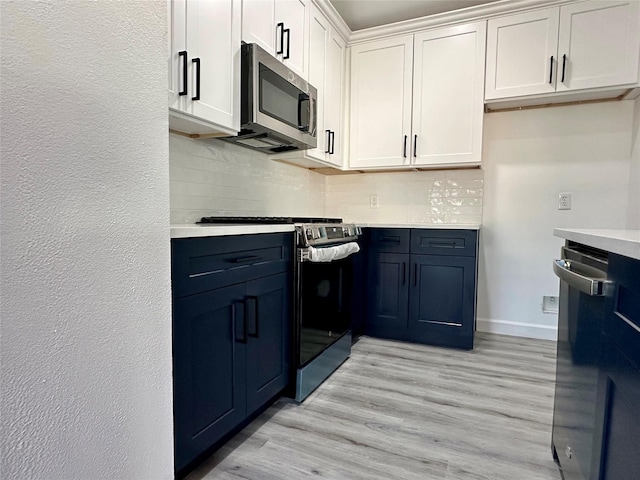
323	293
323	281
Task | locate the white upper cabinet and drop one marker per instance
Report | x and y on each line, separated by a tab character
204	66
418	100
579	46
520	52
334	97
326	74
598	44
381	81
448	85
281	27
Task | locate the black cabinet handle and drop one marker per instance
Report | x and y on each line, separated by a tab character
281	27
237	309
328	132
288	32
551	69
564	64
390	239
183	55
196	66
404	273
442	243
333	142
415	274
415	146
404	149
253	301
247	259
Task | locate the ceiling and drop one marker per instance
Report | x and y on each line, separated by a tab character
359	14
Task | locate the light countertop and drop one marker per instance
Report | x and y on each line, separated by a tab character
446	226
220	230
622	242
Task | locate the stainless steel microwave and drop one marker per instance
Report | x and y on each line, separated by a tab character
278	107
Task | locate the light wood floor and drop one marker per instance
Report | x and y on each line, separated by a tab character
401	411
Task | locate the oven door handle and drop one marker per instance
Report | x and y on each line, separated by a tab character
586	279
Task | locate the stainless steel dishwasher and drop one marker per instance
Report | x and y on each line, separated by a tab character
577	433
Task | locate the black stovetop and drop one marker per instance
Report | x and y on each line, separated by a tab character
268	220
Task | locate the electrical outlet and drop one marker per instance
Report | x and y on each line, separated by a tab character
564	201
549	304
373	201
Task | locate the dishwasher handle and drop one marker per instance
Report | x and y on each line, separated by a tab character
586	279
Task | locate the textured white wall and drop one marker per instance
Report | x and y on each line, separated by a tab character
529	158
211	177
85	285
633	212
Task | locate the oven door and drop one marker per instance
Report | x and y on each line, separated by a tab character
324	305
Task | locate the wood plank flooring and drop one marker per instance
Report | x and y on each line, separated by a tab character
401	411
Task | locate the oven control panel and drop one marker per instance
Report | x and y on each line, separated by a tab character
323	234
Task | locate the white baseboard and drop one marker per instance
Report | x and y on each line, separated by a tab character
517	329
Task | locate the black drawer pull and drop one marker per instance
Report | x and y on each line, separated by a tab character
247	259
450	243
390	239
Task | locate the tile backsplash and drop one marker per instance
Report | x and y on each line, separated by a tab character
214	178
427	197
210	177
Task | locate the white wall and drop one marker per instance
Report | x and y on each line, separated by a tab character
85	286
210	177
428	197
529	157
633	212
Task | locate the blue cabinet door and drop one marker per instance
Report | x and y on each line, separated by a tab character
388	302
268	310
620	380
442	297
209	365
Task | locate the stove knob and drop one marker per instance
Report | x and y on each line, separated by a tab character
309	233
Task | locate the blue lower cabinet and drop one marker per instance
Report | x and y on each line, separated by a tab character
231	343
620	381
268	313
388	295
209	369
418	297
442	305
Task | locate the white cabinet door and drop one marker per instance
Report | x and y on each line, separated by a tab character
294	15
318	43
213	44
334	98
177	62
598	44
381	74
258	23
448	85
522	54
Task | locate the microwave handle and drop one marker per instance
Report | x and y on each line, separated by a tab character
303	97
312	116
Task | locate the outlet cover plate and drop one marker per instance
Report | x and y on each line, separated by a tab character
564	201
